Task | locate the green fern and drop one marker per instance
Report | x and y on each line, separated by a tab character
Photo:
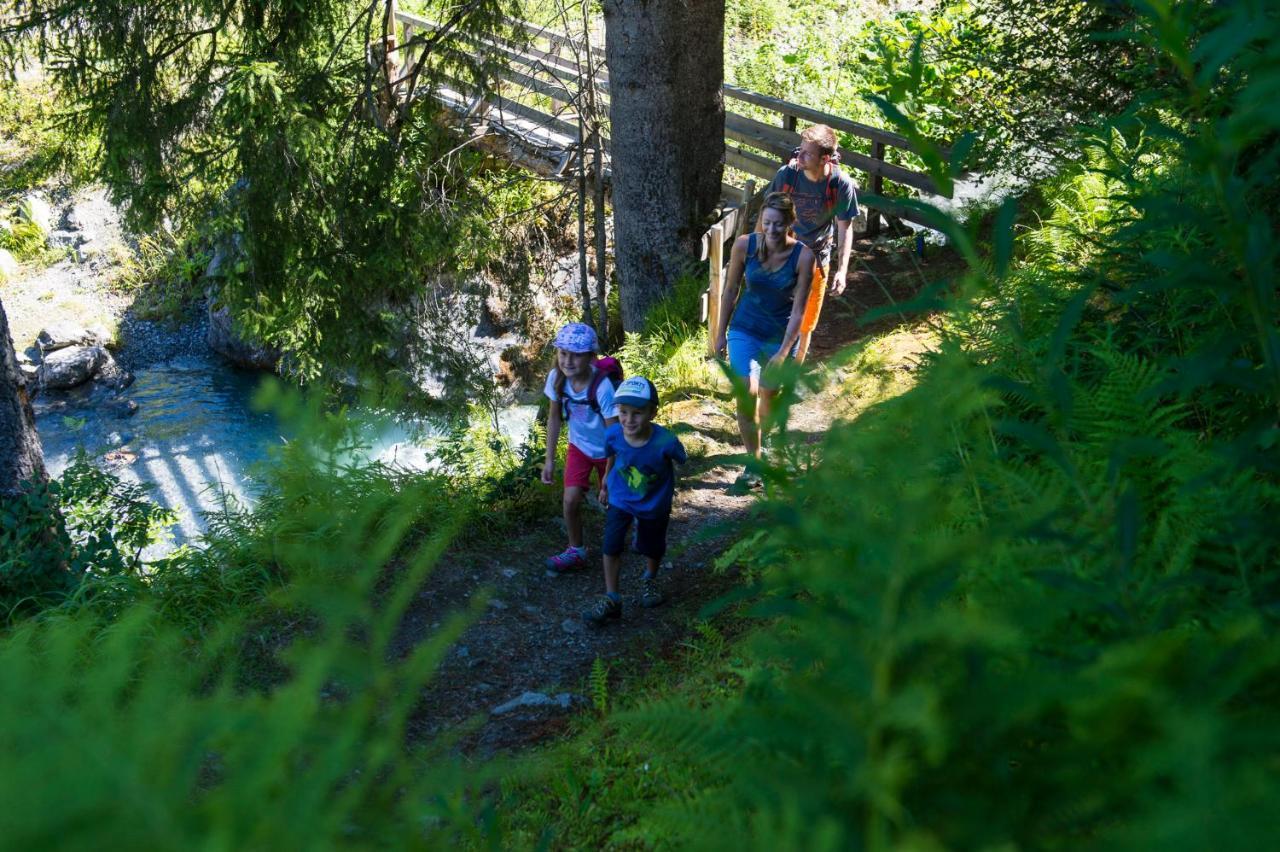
598	683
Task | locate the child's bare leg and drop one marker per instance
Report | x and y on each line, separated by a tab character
573	514
650	567
612	567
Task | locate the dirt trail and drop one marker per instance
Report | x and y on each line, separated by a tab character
530	639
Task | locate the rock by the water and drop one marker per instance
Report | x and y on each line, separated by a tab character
224	340
113	375
36	210
61	334
74	365
64	239
29	369
122	408
534	699
9	266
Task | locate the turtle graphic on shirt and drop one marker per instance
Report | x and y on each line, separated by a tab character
638	481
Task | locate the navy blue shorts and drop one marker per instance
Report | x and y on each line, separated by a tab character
651	534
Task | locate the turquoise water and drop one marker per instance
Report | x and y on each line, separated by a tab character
198	439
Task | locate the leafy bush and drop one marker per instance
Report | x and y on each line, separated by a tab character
671	351
73	534
246	694
1032	602
131	734
165	272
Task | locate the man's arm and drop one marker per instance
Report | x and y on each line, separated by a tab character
844	247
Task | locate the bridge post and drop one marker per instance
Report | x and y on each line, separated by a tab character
877	187
715	260
744	216
407	61
557	106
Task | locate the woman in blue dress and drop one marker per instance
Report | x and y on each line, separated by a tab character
760	323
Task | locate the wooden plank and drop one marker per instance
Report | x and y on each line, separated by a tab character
727	224
538	31
557	104
817	116
506	105
549	89
715	258
877	187
744	211
774	140
497	103
880	169
749	162
557	93
729	190
532	57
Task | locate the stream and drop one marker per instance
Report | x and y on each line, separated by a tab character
197	437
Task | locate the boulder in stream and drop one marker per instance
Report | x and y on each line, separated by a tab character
64	333
122	408
71	366
111	374
27	367
224	340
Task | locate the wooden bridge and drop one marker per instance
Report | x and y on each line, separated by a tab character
545	82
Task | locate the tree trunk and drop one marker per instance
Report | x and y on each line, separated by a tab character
21	461
666	110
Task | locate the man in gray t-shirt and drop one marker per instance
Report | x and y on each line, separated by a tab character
826	200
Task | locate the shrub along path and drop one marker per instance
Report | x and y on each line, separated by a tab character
530	638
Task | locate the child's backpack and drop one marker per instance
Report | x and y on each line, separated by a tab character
606	369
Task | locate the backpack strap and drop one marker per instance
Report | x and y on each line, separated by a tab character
597	376
833	187
832	194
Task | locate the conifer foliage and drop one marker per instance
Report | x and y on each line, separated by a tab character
257	125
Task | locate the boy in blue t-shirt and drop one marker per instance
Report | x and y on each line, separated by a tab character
638	486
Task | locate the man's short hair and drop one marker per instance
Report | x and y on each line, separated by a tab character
823	136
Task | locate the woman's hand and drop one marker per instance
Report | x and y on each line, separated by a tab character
722	344
604	495
549	472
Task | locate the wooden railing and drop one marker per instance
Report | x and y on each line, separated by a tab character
545	71
543	78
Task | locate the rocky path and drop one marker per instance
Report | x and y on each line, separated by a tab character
519	671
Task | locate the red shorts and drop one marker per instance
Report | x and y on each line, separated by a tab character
578	466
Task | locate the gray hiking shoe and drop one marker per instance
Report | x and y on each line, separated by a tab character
604	609
650	594
745	484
